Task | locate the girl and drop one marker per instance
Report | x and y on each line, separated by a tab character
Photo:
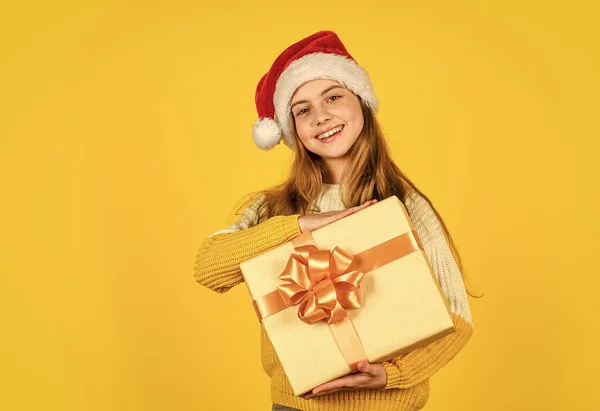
321	103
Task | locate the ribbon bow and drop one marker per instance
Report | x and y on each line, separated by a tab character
322	282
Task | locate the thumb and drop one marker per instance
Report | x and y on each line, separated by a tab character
366	367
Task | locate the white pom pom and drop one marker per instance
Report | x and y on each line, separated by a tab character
266	133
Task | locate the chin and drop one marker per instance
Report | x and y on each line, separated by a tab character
334	153
336	150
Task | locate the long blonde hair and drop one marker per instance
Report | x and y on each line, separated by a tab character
369	174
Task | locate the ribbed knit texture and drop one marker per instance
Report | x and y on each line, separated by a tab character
217	267
219	258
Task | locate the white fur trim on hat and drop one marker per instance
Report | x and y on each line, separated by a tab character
266	133
319	66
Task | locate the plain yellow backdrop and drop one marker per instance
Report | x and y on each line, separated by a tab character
125	140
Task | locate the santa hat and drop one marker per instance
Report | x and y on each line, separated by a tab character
319	56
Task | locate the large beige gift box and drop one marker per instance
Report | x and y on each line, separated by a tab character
402	306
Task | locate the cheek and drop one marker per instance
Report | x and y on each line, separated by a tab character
303	132
360	123
355	113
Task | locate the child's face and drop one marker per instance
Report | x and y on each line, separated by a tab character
322	106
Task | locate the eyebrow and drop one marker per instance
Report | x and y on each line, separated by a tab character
327	90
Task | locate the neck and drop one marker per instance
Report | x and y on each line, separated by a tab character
335	168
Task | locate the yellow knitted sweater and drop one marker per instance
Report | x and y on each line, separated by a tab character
407	388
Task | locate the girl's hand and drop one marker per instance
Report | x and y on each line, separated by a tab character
371	376
314	221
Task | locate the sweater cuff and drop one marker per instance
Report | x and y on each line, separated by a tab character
291	227
393	375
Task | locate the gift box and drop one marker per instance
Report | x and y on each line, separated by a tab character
360	288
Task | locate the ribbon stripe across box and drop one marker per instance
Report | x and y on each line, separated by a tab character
397	306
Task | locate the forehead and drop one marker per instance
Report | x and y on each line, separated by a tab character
312	89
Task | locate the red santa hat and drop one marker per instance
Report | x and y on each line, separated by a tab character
319	56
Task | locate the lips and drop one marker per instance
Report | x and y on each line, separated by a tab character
329	133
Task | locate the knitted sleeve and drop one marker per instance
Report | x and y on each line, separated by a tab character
220	255
418	365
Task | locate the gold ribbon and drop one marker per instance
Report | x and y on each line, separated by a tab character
322	283
365	262
325	283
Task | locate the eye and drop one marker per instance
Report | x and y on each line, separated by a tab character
302	111
334	97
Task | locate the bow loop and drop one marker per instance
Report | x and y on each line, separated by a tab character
323	283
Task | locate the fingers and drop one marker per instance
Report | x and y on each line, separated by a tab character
364	205
352	210
368	203
346	213
347	382
369	376
355	209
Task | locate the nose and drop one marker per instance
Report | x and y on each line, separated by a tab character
322	116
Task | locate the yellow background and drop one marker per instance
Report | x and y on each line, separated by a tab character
125	132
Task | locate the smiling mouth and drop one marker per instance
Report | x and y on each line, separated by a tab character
329	133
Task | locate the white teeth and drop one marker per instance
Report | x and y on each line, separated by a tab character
329	133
